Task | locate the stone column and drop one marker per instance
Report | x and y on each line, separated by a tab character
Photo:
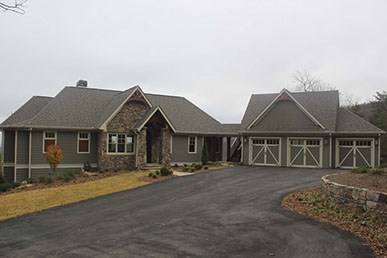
141	151
166	147
224	149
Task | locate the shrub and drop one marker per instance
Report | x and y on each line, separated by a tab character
376	171
154	176
185	165
360	170
164	171
205	167
41	179
2	179
205	154
116	170
15	184
192	169
4	186
186	168
49	179
86	166
150	174
157	172
31	180
59	176
176	165
198	167
384	165
70	175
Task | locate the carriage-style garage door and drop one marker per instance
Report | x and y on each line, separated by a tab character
265	151
305	152
351	153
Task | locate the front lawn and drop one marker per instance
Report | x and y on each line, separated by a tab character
17	204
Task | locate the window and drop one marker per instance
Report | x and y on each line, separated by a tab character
258	141
120	143
192	144
83	142
49	138
313	142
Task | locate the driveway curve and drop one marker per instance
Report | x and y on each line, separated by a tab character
234	212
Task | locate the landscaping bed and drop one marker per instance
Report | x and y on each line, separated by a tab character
362	180
53	181
367	225
199	168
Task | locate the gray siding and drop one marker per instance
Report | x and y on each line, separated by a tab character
9	173
180	149
21	174
284	114
22	147
9	146
68	143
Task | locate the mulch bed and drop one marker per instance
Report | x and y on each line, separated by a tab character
158	179
309	202
371	182
182	169
78	180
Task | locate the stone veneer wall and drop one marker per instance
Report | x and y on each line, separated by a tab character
123	122
166	146
360	198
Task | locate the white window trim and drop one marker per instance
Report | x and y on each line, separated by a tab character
89	139
120	153
196	144
44	139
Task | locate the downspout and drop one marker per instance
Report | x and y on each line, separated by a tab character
330	150
29	153
379	154
242	140
15	162
2	150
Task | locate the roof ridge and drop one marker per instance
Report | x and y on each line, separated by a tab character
45	97
164	95
86	88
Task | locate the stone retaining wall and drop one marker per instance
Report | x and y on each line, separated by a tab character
359	198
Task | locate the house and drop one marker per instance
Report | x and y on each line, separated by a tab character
131	129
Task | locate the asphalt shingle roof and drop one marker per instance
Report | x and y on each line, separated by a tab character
78	107
321	105
349	122
29	110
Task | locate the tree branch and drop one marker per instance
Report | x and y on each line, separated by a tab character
17	7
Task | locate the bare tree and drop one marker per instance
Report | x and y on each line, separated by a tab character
16	7
305	81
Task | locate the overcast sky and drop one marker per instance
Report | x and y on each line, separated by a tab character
215	53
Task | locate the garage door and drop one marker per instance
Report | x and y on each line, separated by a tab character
305	152
351	153
265	151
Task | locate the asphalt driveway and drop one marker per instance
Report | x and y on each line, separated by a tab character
234	212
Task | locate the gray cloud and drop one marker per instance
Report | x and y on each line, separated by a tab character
215	53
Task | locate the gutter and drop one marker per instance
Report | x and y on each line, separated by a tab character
49	127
